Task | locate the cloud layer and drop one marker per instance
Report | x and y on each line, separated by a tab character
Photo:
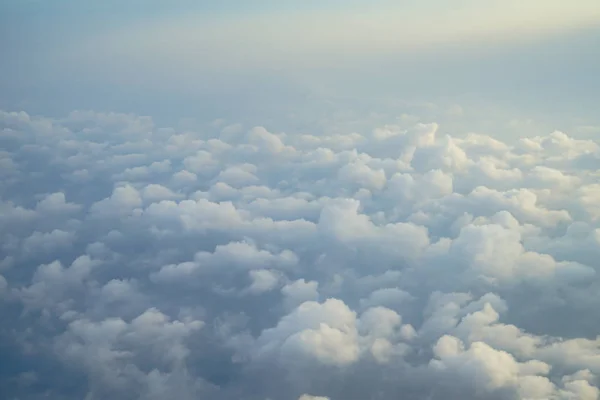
232	263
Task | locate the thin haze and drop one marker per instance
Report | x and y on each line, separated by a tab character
166	58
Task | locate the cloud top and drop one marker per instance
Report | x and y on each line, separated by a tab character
238	262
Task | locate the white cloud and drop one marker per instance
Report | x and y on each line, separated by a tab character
121	203
154	192
299	291
309	397
263	280
268	264
56	203
491	369
47	242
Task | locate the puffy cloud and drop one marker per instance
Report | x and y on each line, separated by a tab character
326	332
154	192
362	175
299	291
146	262
492	369
184	177
265	140
107	351
263	280
235	254
237	176
56	203
122	202
47	242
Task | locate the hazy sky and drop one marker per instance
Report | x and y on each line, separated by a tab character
184	58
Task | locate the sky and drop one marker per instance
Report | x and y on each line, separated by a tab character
183	59
299	200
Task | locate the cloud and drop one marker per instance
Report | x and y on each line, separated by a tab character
309	397
147	262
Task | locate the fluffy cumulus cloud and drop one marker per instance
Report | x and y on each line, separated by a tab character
142	262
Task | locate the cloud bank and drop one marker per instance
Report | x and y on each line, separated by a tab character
233	262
